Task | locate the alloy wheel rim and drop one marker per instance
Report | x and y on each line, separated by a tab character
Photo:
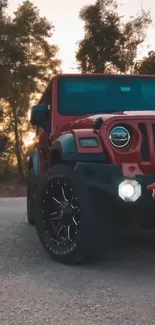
60	211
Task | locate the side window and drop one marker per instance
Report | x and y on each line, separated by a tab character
48	100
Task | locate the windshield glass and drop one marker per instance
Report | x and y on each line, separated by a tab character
86	95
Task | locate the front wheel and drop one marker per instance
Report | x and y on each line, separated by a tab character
71	223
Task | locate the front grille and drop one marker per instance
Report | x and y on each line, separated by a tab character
141	149
145	154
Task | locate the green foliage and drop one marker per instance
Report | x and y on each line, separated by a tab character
107	39
147	65
27	63
37	58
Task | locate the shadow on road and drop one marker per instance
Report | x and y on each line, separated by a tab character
135	251
22	249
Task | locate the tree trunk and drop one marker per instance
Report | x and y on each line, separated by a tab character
18	150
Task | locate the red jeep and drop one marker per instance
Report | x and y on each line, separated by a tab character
92	161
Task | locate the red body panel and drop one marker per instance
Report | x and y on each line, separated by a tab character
129	157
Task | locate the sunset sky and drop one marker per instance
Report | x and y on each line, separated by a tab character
69	29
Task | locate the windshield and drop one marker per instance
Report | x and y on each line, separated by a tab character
86	95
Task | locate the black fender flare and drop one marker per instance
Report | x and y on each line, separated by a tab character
67	147
34	162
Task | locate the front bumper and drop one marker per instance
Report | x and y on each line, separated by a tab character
107	178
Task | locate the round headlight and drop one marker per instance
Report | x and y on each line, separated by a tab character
119	137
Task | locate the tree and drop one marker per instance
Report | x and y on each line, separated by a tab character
107	39
3	6
29	62
147	65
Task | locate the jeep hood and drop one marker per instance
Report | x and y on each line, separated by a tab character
88	121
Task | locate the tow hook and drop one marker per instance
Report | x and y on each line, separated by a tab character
152	188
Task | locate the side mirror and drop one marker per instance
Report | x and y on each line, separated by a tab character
40	116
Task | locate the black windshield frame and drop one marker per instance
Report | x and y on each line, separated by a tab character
143	94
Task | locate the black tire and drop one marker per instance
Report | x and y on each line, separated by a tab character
31	197
92	221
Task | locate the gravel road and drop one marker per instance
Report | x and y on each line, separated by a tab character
35	290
